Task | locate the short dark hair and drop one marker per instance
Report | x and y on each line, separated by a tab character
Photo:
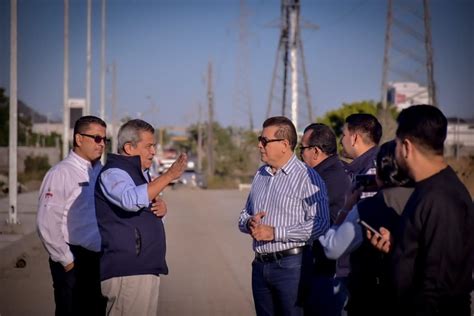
286	129
424	125
322	137
387	168
366	124
83	123
130	133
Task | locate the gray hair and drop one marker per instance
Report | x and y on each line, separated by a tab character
130	133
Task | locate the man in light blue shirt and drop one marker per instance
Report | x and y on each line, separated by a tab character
129	214
286	209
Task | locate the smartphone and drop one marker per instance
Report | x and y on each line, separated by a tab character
366	181
370	228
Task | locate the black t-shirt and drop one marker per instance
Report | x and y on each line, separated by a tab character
433	254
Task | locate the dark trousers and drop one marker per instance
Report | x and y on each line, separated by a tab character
276	286
77	292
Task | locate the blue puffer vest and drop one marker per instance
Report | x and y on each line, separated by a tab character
133	243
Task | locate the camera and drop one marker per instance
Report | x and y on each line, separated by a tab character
366	181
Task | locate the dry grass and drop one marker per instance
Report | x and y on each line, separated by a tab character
464	168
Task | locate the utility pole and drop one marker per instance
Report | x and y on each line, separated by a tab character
290	55
199	139
66	81
88	59
210	123
114	129
242	98
429	54
102	63
13	128
386	62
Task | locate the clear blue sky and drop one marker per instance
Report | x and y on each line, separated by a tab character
162	49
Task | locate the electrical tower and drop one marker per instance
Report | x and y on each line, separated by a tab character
289	67
408	54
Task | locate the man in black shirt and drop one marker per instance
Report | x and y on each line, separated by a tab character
433	249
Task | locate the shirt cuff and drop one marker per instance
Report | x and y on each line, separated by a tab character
67	259
280	234
142	195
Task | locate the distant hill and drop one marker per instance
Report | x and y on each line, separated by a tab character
25	110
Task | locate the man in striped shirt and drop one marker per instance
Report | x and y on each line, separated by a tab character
287	208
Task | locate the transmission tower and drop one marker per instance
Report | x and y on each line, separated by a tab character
242	97
408	54
289	67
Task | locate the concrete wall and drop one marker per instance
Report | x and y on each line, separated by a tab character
52	153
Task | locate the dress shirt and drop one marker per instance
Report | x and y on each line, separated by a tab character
119	188
344	238
296	205
66	210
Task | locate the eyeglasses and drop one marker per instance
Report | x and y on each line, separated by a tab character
265	141
302	148
97	139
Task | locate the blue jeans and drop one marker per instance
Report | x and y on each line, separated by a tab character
276	286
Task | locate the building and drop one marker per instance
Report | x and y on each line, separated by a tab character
460	138
404	94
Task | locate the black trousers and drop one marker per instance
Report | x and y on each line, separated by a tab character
77	292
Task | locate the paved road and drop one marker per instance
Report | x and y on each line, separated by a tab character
209	261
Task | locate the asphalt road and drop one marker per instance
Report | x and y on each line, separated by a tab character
209	262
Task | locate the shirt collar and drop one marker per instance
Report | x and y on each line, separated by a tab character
287	168
81	162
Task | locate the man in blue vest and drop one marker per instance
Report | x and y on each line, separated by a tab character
129	214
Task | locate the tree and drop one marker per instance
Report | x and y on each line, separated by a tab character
234	148
24	122
336	118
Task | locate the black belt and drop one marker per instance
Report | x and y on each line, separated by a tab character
274	256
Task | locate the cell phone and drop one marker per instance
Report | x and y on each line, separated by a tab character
366	181
370	228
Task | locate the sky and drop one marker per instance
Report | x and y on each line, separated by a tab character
162	49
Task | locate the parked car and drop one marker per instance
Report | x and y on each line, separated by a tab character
193	179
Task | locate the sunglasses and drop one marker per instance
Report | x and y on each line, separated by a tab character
265	141
97	139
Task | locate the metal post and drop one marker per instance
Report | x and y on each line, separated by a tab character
66	81
114	129
102	64
13	137
87	109
386	65
293	45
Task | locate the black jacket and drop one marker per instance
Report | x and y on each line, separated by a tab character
337	183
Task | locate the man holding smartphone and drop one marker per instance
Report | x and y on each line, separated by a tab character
433	248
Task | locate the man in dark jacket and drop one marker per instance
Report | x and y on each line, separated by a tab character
318	150
129	214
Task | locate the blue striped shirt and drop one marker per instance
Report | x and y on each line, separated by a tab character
295	202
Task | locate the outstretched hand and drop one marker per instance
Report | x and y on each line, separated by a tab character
178	167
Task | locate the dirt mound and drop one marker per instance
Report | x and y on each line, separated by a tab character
464	168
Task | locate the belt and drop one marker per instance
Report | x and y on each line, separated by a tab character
274	256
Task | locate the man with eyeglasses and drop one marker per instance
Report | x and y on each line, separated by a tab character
318	149
286	209
67	224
